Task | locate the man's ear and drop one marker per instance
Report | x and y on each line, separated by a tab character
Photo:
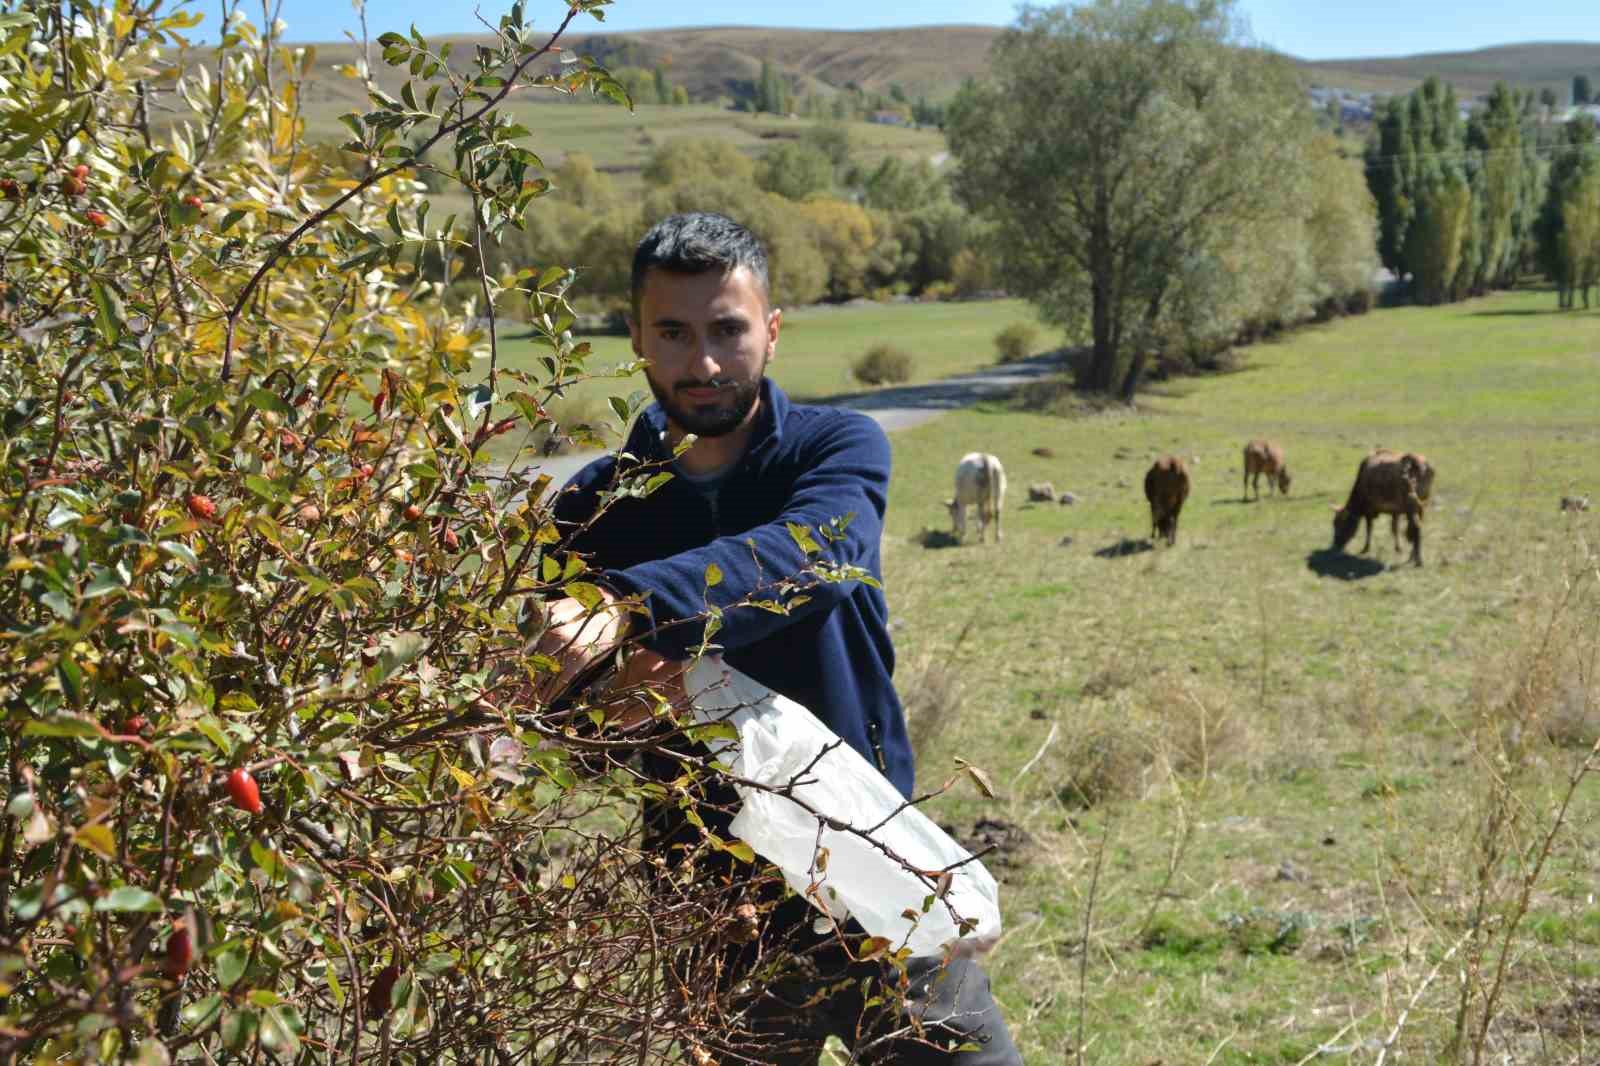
774	323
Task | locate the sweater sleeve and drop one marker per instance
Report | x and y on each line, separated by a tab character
846	475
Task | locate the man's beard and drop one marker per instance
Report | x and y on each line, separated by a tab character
709	420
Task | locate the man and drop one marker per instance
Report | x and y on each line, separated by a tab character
759	467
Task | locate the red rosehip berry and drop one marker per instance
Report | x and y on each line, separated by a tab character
97	219
243	791
381	991
202	507
180	952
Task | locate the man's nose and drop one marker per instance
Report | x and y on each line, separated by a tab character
705	362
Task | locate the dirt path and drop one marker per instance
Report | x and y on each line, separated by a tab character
896	408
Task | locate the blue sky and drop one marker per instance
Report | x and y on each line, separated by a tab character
1309	30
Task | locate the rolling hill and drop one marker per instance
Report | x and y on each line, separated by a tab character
931	61
1532	65
723	63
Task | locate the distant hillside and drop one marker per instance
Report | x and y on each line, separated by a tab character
1534	65
932	61
923	60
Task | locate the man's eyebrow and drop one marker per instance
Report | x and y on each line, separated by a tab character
666	320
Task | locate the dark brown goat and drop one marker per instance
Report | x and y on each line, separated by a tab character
1166	486
1386	483
1264	457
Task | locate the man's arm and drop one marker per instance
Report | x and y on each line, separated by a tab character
847	476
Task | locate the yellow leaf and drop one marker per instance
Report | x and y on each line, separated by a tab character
96	838
464	779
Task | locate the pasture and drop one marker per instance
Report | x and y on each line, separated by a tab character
815	350
1255	797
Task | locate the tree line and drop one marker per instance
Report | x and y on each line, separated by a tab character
1466	205
838	227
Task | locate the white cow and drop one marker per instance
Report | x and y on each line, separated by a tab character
980	480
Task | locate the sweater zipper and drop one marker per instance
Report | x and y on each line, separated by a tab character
873	730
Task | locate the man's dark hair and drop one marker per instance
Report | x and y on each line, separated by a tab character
694	243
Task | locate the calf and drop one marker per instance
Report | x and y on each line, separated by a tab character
1166	486
1264	457
1386	483
981	482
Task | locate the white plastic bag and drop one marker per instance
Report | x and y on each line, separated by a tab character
778	740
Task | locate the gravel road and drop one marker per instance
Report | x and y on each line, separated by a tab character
895	408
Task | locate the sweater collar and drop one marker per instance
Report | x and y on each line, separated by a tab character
651	429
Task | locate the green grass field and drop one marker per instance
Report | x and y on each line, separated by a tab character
1298	775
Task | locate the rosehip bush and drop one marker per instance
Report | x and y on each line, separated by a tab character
275	785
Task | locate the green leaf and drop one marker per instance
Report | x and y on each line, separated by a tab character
71	675
202	1013
400	651
231	963
108	313
237	1029
105	581
802	537
267	490
129	898
713	575
63	726
267	400
280	1030
181	552
181	633
585	593
211	729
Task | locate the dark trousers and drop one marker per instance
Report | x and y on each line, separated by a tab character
944	1008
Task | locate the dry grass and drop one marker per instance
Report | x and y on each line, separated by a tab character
1305	780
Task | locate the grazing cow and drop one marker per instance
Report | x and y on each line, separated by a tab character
1264	457
1166	486
1386	483
980	481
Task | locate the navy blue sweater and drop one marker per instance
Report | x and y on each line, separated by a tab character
806	466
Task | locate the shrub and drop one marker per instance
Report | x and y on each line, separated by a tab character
883	364
255	554
1016	341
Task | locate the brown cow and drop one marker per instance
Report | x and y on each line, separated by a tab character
1166	486
1264	457
1386	483
1424	475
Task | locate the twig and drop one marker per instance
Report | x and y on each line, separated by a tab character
1327	1045
1036	755
1394	1033
1083	944
1225	1042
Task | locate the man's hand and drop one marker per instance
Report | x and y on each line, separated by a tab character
576	637
645	672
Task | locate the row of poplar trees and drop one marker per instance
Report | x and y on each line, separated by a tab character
1465	206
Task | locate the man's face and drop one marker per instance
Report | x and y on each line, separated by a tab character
706	339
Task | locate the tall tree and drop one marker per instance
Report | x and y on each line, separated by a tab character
1117	141
1495	135
1569	224
1581	92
